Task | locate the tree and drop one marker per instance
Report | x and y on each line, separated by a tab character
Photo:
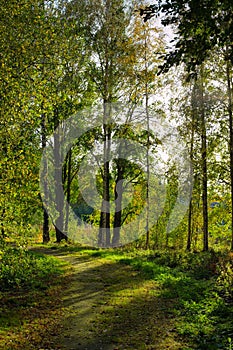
19	154
105	25
147	42
201	27
43	83
201	115
64	89
230	114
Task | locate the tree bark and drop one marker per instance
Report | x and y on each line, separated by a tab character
104	238
189	238
118	205
2	224
204	168
190	210
46	237
147	143
68	188
229	91
59	223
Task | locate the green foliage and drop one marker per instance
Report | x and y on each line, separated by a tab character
201	25
20	268
200	265
201	285
225	279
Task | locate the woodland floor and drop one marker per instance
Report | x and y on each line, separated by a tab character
103	304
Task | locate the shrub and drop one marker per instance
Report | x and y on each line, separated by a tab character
225	279
21	268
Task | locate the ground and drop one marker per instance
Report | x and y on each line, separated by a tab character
101	304
110	306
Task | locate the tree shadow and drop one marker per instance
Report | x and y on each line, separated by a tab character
111	306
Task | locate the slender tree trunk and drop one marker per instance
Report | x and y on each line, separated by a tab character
189	238
148	174
148	146
190	211
229	90
68	188
118	205
59	224
204	195
204	169
104	238
46	237
198	200
2	224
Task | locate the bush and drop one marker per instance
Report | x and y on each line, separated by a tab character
225	279
20	268
200	265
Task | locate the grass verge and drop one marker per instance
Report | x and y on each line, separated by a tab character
201	285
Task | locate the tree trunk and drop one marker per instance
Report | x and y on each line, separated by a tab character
229	90
68	188
148	173
2	224
204	169
147	143
104	238
46	237
118	205
189	238
190	211
59	223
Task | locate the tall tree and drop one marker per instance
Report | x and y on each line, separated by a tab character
117	70
230	114
201	27
106	24
20	155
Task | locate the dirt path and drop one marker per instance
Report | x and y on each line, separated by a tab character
110	306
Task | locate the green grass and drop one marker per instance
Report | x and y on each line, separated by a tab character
31	286
20	268
203	314
201	285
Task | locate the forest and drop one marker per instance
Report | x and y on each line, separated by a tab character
116	181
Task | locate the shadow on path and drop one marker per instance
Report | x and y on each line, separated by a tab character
110	306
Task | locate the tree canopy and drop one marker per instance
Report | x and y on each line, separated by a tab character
199	26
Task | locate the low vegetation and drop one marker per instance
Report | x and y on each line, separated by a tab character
22	269
200	286
30	298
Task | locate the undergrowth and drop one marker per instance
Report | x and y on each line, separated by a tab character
202	286
20	268
31	287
